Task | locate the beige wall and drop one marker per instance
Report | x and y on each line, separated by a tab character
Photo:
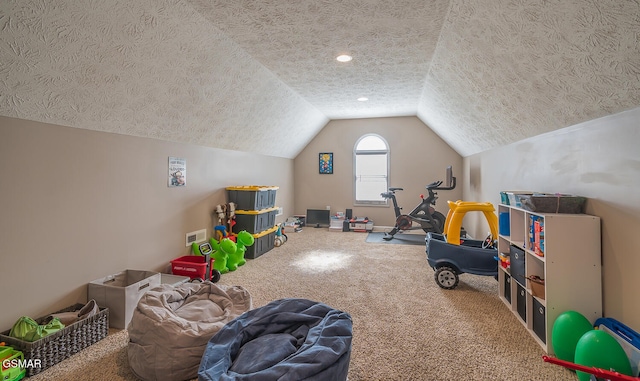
77	205
599	159
417	157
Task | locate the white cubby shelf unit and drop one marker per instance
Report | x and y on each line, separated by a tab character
570	265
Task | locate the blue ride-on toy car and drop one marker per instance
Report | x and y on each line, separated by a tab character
471	256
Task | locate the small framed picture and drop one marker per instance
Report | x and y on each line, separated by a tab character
326	163
177	172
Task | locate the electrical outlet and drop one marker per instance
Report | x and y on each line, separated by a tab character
328	207
279	212
197	237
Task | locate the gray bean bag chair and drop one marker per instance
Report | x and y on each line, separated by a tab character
286	340
171	326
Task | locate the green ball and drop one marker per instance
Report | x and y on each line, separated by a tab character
567	330
599	349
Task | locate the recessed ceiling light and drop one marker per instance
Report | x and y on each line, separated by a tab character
363	99
344	58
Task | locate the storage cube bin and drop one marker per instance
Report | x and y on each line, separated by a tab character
539	318
521	302
504	226
252	197
517	259
255	221
507	287
263	242
121	292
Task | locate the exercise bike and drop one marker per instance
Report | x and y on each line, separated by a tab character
424	216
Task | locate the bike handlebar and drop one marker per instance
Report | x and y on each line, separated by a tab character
433	186
436	185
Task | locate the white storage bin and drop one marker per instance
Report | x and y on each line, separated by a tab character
121	292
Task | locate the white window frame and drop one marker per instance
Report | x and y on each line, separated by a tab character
356	152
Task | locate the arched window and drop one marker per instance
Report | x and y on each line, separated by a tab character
371	168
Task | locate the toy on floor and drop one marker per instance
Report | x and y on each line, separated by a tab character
13	361
243	240
567	329
280	236
450	255
449	261
226	216
599	349
221	211
231	215
221	232
457	211
221	252
233	256
598	373
205	249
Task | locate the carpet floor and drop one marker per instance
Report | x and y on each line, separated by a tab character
405	327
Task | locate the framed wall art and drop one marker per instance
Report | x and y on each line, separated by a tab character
326	163
177	172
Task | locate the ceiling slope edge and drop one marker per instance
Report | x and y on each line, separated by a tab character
153	69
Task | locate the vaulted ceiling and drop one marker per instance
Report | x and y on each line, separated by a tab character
261	76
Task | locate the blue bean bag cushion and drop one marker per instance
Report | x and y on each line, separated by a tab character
287	339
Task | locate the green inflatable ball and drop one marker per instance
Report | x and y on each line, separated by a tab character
567	330
599	349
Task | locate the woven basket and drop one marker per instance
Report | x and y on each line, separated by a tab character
550	203
537	287
60	345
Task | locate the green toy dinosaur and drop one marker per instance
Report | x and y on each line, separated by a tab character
244	239
221	253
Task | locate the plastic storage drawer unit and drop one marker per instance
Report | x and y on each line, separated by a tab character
263	242
255	221
251	197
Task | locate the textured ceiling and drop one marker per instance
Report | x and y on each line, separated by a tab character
261	76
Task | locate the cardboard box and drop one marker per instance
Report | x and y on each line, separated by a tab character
121	292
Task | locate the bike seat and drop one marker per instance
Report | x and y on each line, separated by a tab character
395	189
434	184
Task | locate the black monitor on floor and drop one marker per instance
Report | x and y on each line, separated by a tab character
318	218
